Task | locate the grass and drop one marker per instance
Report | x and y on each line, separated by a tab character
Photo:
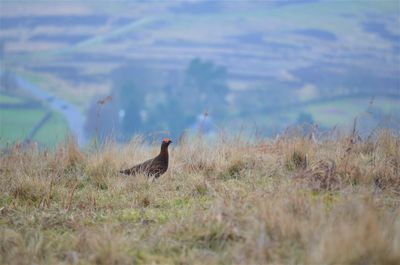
16	124
338	112
10	99
224	201
54	131
62	88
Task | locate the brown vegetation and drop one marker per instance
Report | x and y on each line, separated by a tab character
290	200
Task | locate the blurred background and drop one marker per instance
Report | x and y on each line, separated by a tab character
116	68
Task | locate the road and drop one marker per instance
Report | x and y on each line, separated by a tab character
73	116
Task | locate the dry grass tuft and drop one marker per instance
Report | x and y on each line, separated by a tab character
292	200
321	176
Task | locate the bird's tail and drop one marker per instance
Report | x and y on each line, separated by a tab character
125	171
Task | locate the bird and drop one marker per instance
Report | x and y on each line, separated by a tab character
154	167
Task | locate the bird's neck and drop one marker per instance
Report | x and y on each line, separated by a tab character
164	151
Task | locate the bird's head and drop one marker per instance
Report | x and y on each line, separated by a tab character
166	142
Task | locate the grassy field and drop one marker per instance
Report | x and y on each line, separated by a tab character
343	111
16	123
285	201
72	93
333	113
9	99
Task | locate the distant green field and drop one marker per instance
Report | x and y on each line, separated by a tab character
16	124
342	112
329	114
54	132
10	100
57	87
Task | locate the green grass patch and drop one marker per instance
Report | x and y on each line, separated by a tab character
54	131
16	124
5	99
343	111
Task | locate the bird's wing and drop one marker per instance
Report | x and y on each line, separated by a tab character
140	168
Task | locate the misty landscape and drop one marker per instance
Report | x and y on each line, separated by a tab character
262	66
200	132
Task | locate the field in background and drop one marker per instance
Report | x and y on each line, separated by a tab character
275	54
371	112
19	116
17	123
332	199
342	112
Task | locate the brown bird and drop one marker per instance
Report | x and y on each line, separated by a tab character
152	167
